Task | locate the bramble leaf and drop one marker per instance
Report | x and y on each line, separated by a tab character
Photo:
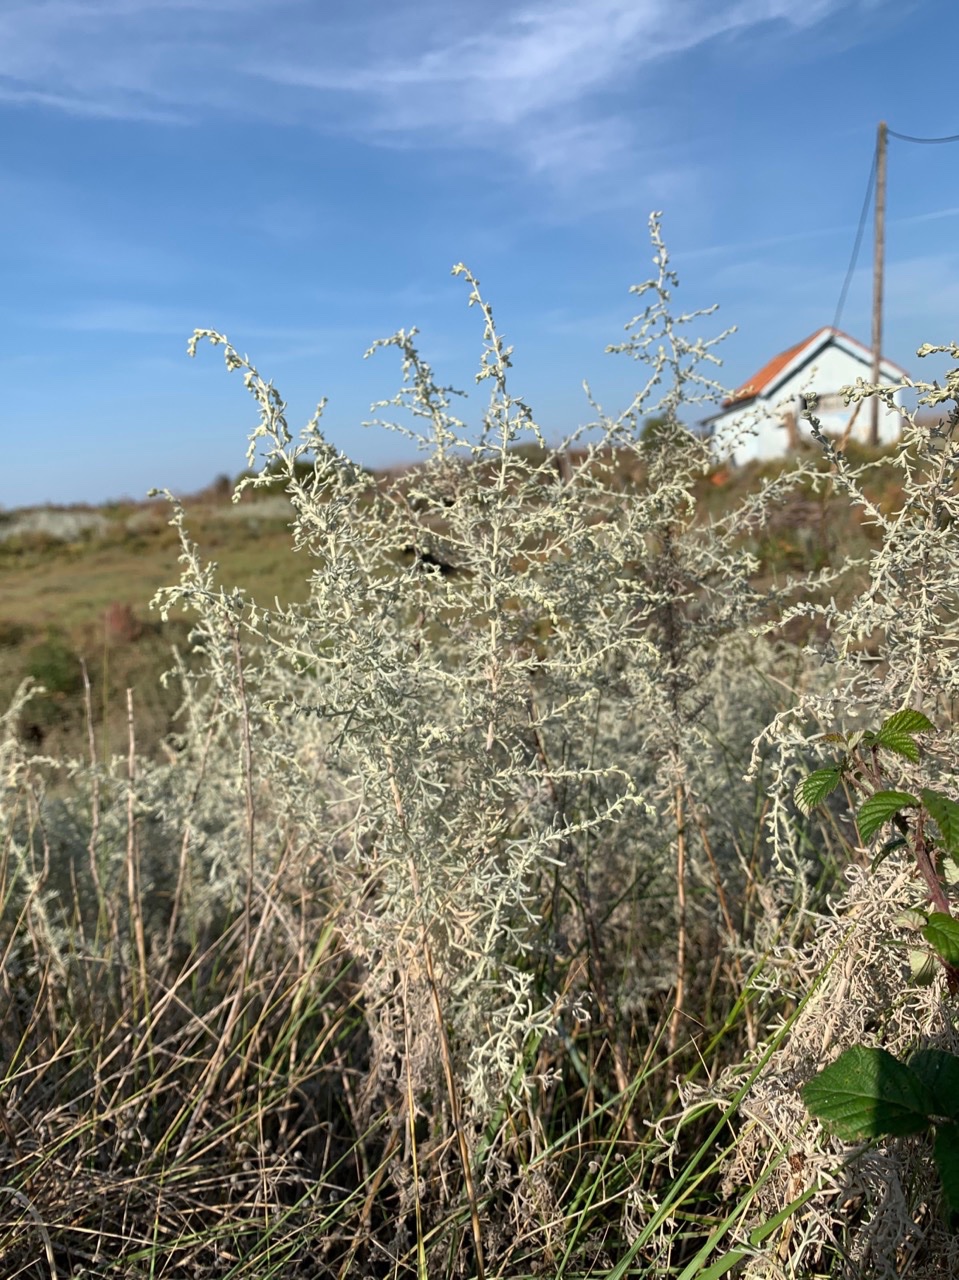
912	918
813	789
946	1151
879	808
903	744
866	1093
906	721
942	934
939	1072
896	733
922	967
945	813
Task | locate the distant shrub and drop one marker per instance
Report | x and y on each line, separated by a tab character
12	633
54	664
221	488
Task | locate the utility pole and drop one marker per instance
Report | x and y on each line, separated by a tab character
877	270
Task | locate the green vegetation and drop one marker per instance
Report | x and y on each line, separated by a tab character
447	910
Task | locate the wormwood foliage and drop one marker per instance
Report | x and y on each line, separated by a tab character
390	967
867	1092
483	715
872	1052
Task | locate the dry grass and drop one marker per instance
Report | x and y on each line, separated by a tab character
187	1095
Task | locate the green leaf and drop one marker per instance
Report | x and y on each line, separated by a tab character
890	846
813	790
922	967
945	814
722	1266
906	721
879	808
896	733
866	1093
939	1072
912	918
942	934
903	744
946	1152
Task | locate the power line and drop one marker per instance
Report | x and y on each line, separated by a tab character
859	233
903	137
906	137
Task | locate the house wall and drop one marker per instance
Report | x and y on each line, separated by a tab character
831	369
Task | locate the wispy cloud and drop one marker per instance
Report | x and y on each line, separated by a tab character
533	59
125	318
129	318
812	233
542	82
95	107
151	60
550	83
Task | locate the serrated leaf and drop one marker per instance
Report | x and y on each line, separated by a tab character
912	918
904	744
942	934
945	814
896	734
939	1072
922	967
813	789
879	808
946	1152
905	721
866	1093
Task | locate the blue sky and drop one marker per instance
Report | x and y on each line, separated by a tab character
302	176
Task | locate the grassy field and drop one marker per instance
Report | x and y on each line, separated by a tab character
89	597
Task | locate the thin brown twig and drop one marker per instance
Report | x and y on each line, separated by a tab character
676	1020
248	791
133	857
104	906
40	1225
595	956
721	898
447	1058
250	940
184	862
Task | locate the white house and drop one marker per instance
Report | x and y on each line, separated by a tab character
772	400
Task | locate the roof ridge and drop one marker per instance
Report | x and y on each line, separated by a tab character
767	375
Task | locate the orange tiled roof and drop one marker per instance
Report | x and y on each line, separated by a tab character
767	374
